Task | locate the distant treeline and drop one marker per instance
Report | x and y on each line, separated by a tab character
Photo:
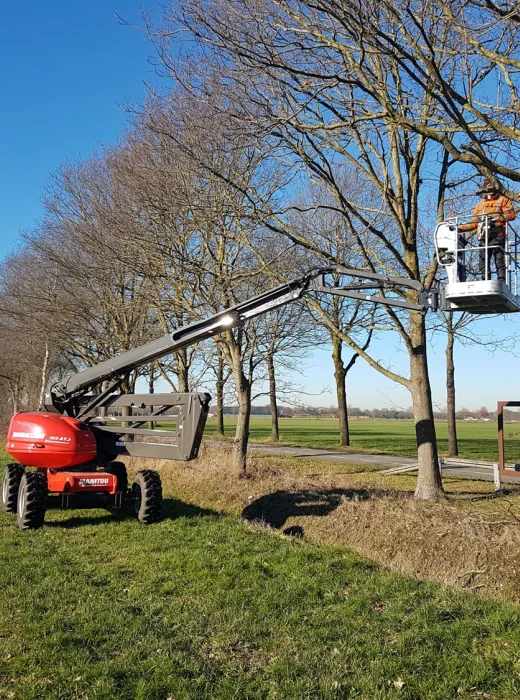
355	412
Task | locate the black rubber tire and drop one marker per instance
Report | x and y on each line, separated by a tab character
32	501
147	496
118	469
10	484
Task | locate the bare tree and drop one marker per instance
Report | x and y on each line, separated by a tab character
30	345
452	326
225	270
80	294
464	56
222	374
326	105
464	329
317	217
285	337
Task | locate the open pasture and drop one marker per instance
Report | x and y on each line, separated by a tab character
203	605
477	439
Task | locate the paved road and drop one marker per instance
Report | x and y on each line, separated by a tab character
481	471
461	469
474	471
386	461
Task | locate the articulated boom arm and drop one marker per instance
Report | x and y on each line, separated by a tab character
118	432
62	397
117	367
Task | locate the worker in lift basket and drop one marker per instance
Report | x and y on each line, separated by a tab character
493	211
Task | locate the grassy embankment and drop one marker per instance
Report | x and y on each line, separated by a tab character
203	605
476	439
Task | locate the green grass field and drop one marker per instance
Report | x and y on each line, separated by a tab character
476	439
201	606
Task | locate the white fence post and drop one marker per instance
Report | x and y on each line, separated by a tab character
496	477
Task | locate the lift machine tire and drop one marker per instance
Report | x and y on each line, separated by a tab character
32	501
10	484
147	496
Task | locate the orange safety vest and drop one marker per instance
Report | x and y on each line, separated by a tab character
497	205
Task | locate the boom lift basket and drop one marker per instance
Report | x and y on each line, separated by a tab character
466	290
181	417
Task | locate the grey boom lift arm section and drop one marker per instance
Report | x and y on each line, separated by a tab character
79	394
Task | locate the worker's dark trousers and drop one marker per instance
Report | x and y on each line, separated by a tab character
461	258
493	252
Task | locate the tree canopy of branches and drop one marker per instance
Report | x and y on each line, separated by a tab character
297	75
296	133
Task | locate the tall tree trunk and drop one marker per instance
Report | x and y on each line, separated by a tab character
244	415
126	388
453	446
220	395
151	382
275	432
102	410
45	369
429	483
183	370
14	390
340	375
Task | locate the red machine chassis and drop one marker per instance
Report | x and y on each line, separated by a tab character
74	482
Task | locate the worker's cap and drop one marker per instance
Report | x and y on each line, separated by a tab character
486	187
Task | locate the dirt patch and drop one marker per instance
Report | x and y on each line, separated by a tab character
471	541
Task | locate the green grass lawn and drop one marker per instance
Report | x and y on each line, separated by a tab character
476	439
201	606
96	605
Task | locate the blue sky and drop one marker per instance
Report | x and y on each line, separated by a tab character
67	69
481	378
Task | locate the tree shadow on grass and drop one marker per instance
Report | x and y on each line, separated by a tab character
276	508
172	509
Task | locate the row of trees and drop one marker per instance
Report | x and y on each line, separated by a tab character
387	413
139	241
381	104
295	134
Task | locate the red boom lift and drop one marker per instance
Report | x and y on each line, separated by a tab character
69	449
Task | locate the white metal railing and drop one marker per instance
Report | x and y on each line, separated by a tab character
472	262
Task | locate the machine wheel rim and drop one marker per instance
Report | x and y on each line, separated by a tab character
4	489
21	499
137	497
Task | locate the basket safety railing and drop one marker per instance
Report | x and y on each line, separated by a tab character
473	259
176	425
